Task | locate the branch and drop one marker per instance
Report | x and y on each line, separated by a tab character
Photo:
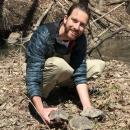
43	15
106	13
36	110
111	2
38	22
62	7
93	46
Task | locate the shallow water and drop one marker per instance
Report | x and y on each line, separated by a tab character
116	49
7	48
110	49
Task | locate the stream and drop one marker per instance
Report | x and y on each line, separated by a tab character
114	49
110	49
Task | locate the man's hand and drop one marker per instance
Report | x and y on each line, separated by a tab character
82	90
44	112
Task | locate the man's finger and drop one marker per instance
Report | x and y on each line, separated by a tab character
47	120
53	109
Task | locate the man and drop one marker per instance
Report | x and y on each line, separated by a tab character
47	61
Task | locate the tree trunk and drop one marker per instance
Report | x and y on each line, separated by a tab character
128	8
14	13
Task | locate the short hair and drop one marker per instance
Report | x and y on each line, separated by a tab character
80	6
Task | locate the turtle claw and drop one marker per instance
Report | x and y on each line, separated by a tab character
64	126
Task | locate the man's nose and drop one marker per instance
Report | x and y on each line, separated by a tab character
77	26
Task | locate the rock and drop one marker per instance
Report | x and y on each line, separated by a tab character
13	38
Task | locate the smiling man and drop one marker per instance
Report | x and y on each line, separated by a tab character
73	25
56	55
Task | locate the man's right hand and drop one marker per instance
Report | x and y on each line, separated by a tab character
44	112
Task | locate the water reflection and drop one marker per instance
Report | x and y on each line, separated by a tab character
7	48
116	49
110	49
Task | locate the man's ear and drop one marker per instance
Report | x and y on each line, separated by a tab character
65	19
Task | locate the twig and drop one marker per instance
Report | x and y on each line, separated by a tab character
110	2
107	13
38	22
20	50
104	31
62	7
37	111
99	42
43	15
67	2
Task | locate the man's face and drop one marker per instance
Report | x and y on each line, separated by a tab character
75	23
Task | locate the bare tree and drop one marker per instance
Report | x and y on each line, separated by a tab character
128	8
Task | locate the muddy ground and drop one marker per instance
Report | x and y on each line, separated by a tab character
110	92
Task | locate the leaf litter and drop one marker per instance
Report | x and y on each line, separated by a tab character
110	93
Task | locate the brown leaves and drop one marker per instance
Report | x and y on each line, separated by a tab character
110	93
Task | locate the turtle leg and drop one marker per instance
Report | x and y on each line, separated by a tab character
64	126
102	117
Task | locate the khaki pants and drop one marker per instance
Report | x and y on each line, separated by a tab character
58	72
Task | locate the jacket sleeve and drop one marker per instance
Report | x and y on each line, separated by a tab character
36	50
78	60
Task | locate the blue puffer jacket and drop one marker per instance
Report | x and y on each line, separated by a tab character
40	47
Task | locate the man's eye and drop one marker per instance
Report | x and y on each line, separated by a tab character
82	25
74	20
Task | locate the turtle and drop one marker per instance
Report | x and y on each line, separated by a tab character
93	113
59	118
80	123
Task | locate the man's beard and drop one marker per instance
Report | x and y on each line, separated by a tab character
71	37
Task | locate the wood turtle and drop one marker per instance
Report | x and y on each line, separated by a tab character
59	118
80	123
93	113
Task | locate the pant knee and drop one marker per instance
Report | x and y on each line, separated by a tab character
57	69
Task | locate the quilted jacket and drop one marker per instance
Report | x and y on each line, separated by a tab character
40	47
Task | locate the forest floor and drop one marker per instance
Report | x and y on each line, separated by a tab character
110	93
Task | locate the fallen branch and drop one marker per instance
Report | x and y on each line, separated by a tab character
105	17
94	45
106	13
43	15
105	31
38	22
111	2
62	7
37	111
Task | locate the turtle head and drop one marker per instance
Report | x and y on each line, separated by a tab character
58	120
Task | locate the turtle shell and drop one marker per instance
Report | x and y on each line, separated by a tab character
59	113
92	113
80	123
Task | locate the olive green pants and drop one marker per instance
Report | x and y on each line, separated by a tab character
57	72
